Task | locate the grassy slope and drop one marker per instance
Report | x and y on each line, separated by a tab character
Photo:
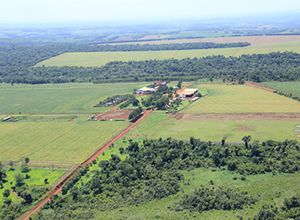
64	98
37	176
288	87
223	98
54	141
263	186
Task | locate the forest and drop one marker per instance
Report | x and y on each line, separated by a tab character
150	171
274	66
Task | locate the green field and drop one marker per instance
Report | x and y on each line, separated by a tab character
88	59
61	98
287	87
215	130
37	176
223	98
55	141
270	47
263	186
265	44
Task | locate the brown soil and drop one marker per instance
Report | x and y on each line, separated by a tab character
123	38
151	37
72	119
114	114
243	128
259	86
240	116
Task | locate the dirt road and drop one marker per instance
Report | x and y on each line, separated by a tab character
58	188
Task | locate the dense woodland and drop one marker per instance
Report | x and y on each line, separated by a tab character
150	171
16	67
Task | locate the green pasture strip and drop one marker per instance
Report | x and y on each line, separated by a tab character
214	130
293	46
146	128
37	176
262	186
66	98
223	98
89	59
53	141
287	87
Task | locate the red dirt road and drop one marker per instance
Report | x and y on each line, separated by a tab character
259	86
87	161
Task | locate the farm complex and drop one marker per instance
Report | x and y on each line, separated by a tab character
168	121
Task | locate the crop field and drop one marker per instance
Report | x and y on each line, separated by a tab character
270	47
227	110
262	186
65	98
37	176
287	87
234	130
260	44
89	59
251	39
223	98
55	141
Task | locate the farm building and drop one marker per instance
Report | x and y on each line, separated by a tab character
187	93
145	90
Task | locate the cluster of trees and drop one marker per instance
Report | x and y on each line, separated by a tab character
150	171
116	99
205	199
135	113
16	67
160	98
132	100
290	209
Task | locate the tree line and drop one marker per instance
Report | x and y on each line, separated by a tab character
257	68
150	171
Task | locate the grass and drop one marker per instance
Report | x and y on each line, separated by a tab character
215	130
287	87
263	187
148	126
55	141
88	59
223	98
37	176
62	98
270	47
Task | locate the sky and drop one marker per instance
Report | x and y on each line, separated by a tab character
22	11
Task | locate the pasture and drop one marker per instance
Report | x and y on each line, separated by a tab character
234	130
287	87
59	98
55	142
223	98
37	176
264	187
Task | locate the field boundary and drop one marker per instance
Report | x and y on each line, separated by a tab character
96	153
259	86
